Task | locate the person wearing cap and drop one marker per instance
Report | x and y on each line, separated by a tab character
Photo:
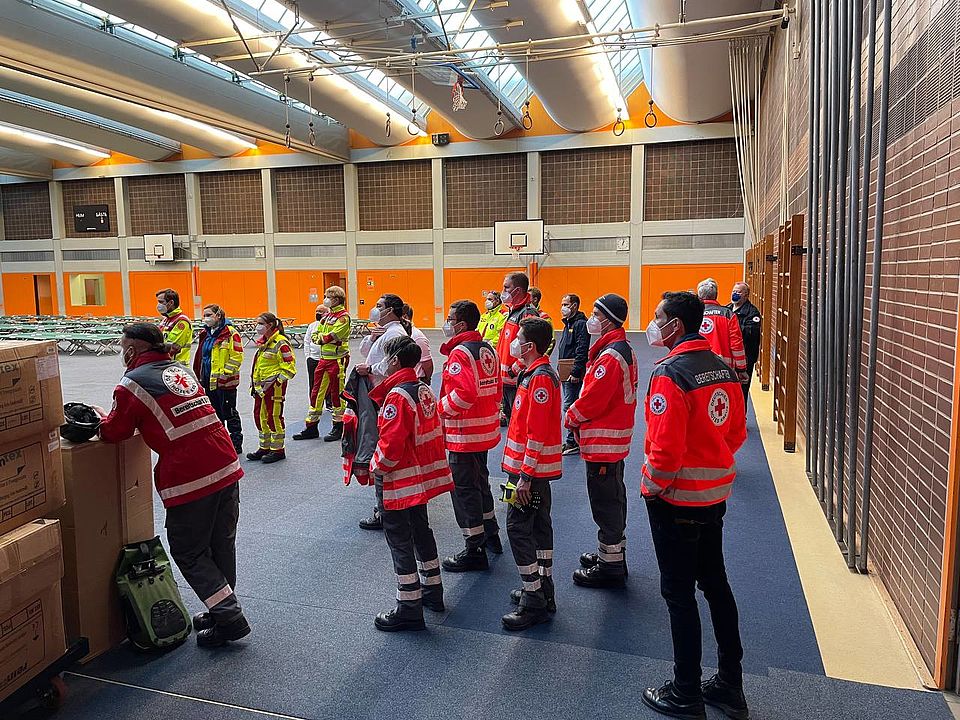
603	417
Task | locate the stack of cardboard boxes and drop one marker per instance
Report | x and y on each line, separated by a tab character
31	487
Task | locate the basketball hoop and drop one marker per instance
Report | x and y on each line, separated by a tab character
456	93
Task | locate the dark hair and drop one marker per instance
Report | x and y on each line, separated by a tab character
145	332
538	331
466	311
395	303
405	349
168	295
686	306
535	295
407	311
272	319
216	310
573	297
519	279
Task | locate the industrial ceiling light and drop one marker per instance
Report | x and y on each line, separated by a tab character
38	137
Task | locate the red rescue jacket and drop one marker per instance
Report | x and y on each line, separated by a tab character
410	455
165	402
695	423
520	309
533	438
470	394
606	410
721	329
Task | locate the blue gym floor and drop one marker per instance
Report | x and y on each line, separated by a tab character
311	582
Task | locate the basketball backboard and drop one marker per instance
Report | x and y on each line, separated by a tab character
518	237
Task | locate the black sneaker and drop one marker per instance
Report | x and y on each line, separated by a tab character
667	701
274	456
374	522
493	544
394	621
524	617
725	697
258	455
467	560
336	433
515	596
599	576
220	635
310	432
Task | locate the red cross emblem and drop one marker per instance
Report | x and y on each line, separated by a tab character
719	406
179	381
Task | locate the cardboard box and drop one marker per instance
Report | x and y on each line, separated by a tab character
31	479
31	401
31	617
564	368
109	489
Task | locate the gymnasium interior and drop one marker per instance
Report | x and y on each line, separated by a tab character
253	153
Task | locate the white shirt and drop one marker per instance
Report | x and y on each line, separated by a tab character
421	340
310	348
372	348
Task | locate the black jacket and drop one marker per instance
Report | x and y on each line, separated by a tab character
361	446
749	318
575	343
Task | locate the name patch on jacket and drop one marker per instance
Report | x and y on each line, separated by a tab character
189	405
713	376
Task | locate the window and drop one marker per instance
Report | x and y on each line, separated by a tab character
88	290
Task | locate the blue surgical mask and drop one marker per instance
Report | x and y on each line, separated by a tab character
736	297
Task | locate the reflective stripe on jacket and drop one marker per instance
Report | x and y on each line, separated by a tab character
520	310
274	362
491	324
226	357
470	394
722	331
533	448
177	330
332	334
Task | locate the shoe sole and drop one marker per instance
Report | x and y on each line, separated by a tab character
540	621
682	716
552	609
612	583
478	568
400	628
729	711
371	527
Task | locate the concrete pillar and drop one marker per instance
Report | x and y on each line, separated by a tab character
352	226
439	223
59	232
3	236
123	232
269	228
533	186
194	228
636	235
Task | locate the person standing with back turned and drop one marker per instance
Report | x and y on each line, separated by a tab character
695	424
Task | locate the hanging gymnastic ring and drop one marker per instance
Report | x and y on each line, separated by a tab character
619	127
650	119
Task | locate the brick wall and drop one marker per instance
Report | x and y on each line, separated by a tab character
395	195
26	211
918	285
231	202
692	180
158	204
585	186
483	190
309	199
89	192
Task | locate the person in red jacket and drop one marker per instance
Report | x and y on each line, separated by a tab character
409	468
470	393
695	424
196	474
603	417
721	329
531	459
519	305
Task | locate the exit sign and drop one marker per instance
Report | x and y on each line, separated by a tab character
91	218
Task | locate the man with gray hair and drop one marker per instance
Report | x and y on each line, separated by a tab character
721	329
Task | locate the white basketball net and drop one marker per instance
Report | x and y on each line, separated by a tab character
459	101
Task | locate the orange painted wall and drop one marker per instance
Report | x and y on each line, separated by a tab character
470	284
414	286
19	298
658	279
241	293
113	296
144	285
294	290
587	282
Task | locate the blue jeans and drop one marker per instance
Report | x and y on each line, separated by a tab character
571	391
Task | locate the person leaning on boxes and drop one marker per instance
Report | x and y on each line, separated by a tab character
196	474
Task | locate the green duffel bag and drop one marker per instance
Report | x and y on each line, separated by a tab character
154	611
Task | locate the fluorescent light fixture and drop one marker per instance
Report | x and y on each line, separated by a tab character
197	125
44	138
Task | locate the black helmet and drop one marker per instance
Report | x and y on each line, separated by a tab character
82	422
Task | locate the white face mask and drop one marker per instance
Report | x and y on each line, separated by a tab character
448	329
210	321
375	315
566	310
261	330
162	308
505	297
654	334
489	305
516	349
128	356
328	302
382	368
594	326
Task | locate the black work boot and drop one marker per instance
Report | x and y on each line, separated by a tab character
524	617
273	456
515	596
666	700
220	635
203	621
725	697
374	522
599	576
493	544
310	432
467	560
258	455
434	600
400	618
590	559
336	433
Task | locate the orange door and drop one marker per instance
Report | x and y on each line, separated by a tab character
414	286
144	286
241	293
300	291
658	279
588	283
43	294
471	284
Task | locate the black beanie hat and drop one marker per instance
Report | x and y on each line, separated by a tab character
614	307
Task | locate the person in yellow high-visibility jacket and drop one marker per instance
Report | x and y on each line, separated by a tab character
332	334
176	327
217	367
491	321
273	366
